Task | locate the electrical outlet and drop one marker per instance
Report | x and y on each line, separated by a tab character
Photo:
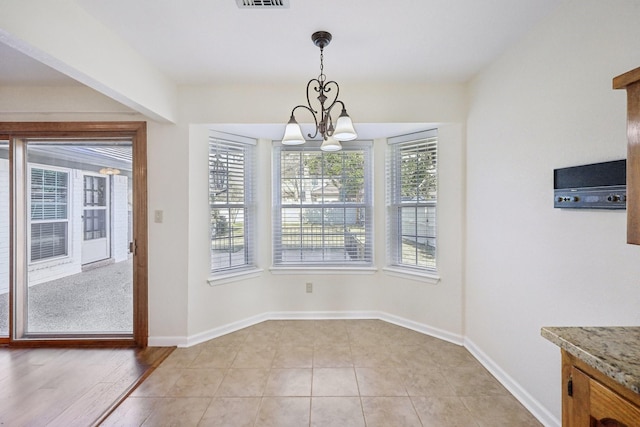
309	287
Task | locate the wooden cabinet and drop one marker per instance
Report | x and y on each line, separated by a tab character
631	82
591	399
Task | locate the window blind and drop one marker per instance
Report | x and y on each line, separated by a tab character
412	184
323	213
49	193
231	202
48	240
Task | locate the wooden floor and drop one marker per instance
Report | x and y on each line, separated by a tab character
69	387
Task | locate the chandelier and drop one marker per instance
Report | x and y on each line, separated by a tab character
327	96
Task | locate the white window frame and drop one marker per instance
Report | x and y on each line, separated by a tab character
324	266
395	203
38	221
220	145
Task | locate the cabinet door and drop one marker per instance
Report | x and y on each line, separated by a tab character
610	409
595	405
580	411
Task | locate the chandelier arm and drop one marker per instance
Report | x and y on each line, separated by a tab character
319	88
329	119
326	111
313	114
317	85
323	89
324	124
327	89
337	101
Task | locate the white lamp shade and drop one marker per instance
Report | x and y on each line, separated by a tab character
344	128
293	134
331	144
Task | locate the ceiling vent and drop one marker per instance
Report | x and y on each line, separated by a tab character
262	4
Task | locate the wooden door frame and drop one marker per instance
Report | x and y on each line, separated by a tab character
137	131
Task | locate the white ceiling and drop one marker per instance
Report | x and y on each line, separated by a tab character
197	42
374	41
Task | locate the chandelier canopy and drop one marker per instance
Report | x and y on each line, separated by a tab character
327	97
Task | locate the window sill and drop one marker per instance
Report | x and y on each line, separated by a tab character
430	278
235	276
323	270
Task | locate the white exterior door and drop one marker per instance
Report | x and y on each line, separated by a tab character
95	218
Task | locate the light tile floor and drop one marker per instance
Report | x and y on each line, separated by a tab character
322	373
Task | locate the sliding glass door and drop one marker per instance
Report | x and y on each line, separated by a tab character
75	233
73	209
4	238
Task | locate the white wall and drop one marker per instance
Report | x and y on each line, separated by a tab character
168	180
548	103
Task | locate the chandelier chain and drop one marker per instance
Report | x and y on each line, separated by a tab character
322	77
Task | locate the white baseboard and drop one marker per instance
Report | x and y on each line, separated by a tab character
422	328
226	329
528	401
304	315
323	315
241	324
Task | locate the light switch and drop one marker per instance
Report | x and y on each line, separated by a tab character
157	216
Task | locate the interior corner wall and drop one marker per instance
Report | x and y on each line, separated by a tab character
548	103
213	307
439	306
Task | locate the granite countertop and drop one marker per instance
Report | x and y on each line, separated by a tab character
614	351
